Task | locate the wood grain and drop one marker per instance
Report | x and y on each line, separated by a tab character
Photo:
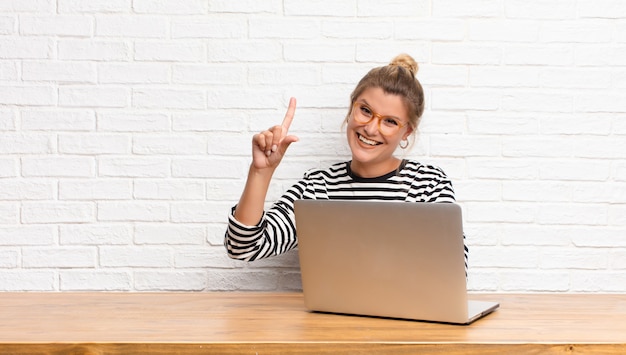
275	323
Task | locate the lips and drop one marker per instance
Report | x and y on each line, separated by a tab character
367	141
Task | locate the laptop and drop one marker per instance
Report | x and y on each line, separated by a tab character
385	259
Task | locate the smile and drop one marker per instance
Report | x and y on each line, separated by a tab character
367	141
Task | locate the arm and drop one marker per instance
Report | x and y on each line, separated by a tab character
268	149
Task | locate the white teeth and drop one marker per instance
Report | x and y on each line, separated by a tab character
367	141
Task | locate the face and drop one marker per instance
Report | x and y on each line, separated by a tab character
372	151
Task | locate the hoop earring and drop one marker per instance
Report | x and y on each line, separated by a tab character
405	145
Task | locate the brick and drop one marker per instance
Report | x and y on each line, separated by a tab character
576	78
9	258
569	170
291	28
133	167
26	190
512	257
511	77
537	101
356	30
29	143
170	7
27	95
9	213
572	214
216	231
617	259
471	8
578	258
462	99
218	27
536	191
179	280
508	212
399	8
60	25
575	31
539	9
133	122
208	74
133	211
320	8
38	257
245	6
94	6
501	124
27	6
458	145
509	31
95	190
94	144
169	99
8	167
30	280
616	215
61	166
575	124
8	71
199	212
58	212
25	48
132	26
170	51
430	29
209	121
319	52
61	120
208	168
537	146
243	280
537	54
27	235
228	51
127	73
7	25
212	257
93	50
92	96
79	280
593	281
95	234
535	281
169	190
169	234
139	257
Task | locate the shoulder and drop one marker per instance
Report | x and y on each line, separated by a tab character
334	171
423	171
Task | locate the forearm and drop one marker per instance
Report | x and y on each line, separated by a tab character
250	208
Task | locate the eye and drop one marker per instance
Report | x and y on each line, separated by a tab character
366	111
389	121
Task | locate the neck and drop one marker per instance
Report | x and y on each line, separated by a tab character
372	170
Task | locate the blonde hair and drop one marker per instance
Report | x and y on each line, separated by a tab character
398	78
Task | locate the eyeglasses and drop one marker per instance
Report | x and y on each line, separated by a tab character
387	125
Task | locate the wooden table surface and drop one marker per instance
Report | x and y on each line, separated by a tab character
271	323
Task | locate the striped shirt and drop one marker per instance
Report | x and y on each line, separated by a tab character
276	233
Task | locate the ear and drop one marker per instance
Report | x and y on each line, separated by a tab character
408	132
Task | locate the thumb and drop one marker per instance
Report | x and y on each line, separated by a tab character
286	142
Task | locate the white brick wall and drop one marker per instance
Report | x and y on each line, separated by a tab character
125	132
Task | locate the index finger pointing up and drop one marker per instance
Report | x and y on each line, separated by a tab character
289	115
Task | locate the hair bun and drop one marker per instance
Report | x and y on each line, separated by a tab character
407	62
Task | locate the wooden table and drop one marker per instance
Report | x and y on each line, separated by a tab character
274	323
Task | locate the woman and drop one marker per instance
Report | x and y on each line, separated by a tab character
385	110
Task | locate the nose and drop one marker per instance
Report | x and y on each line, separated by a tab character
371	127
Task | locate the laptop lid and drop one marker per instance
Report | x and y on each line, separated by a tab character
388	259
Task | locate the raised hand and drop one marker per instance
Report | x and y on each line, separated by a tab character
269	147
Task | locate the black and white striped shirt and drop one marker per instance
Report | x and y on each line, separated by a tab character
276	233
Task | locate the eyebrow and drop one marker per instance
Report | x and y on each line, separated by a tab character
386	116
